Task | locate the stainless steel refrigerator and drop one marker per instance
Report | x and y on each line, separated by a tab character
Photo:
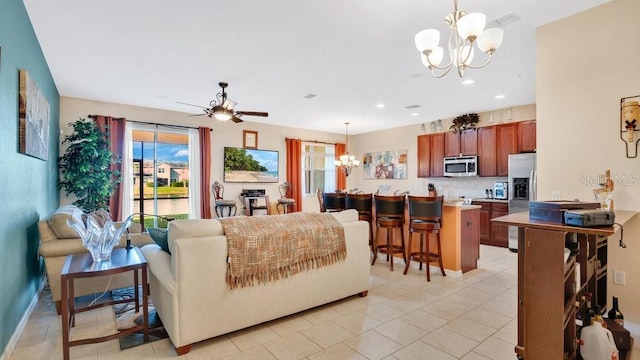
522	188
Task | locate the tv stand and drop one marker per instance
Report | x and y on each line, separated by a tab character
255	199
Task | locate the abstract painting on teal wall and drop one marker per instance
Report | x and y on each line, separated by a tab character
33	119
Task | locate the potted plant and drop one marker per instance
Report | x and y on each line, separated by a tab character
464	122
85	167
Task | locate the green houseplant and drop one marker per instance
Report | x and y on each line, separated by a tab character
464	122
85	167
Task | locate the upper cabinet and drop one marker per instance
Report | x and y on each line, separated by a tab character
487	151
431	155
424	156
527	136
492	144
462	143
437	155
506	144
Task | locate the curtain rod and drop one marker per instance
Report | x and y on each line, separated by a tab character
150	123
312	141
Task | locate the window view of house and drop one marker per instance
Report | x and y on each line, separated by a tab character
160	174
319	170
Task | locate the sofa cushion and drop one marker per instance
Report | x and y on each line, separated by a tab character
58	222
159	235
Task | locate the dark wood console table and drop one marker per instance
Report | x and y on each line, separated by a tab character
82	266
548	286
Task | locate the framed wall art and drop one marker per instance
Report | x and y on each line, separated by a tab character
630	124
385	164
33	118
249	139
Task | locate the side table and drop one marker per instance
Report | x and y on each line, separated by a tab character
82	266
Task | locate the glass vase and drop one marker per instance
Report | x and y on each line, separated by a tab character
98	232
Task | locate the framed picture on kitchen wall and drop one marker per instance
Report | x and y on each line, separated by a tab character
390	164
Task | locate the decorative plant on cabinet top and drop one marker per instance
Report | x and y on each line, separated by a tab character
86	167
464	122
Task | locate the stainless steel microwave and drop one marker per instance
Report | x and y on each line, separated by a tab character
461	166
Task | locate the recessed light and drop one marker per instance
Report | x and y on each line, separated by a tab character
415	114
500	96
468	82
379	105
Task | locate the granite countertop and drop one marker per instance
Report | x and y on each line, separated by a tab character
491	200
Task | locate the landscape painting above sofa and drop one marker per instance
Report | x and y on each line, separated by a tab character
250	165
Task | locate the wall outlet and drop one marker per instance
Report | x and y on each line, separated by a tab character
619	277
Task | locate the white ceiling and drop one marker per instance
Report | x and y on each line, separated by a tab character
352	54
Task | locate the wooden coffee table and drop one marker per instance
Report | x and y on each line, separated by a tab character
79	266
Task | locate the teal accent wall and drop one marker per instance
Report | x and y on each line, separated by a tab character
29	185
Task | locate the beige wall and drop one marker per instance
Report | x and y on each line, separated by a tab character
224	134
585	64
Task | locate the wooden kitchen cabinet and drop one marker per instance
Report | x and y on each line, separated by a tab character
463	143
506	143
487	151
437	155
424	156
492	234
527	136
469	239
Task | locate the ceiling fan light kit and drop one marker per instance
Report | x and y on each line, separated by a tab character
466	29
222	109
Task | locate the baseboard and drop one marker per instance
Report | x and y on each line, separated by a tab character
13	341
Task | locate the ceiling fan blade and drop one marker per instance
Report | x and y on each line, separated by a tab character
197	114
184	103
252	113
236	119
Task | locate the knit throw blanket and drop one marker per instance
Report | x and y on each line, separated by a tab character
268	248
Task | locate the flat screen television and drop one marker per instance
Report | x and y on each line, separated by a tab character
250	165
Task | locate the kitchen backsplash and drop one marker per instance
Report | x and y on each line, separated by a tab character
471	187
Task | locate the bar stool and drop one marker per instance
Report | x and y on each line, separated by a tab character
333	202
389	215
364	204
221	203
425	217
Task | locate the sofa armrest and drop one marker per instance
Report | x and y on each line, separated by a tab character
159	263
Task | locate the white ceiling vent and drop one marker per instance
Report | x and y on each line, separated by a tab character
503	20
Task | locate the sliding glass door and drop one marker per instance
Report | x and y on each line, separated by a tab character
161	170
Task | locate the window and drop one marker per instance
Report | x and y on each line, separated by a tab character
319	169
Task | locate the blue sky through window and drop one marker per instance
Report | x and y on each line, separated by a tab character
166	152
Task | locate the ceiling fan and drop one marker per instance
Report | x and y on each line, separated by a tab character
221	108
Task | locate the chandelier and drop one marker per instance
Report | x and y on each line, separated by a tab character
347	162
466	29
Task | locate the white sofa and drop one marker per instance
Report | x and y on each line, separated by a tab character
194	302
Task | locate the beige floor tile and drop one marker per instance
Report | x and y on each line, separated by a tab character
373	345
348	306
321	314
401	332
259	352
446	310
382	312
470	329
424	320
450	342
487	318
338	352
497	306
358	323
252	337
421	351
404	304
218	348
496	349
474	356
328	334
292	347
509	332
290	325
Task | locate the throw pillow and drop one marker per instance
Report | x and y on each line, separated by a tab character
58	222
159	235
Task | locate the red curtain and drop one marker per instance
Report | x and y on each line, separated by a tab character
341	178
205	172
115	129
294	169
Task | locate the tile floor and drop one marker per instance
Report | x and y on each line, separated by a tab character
403	317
